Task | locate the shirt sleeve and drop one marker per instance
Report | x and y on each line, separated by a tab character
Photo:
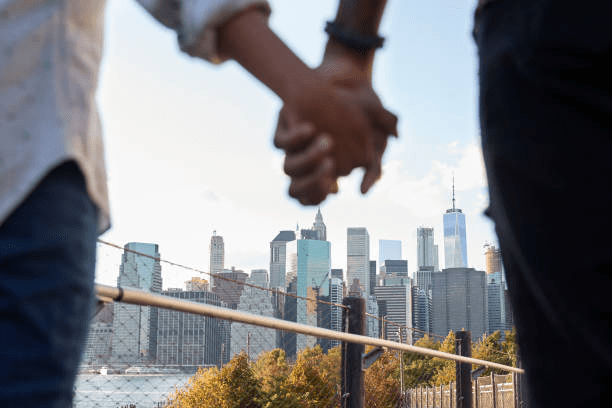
196	22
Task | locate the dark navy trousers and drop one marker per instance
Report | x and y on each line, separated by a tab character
545	69
47	262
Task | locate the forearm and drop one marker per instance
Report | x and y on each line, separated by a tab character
247	39
363	18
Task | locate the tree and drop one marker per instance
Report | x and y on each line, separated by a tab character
233	386
315	378
382	381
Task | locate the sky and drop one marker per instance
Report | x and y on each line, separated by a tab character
189	144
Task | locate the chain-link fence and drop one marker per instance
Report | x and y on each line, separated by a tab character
139	355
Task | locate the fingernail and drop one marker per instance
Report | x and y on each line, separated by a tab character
325	142
333	189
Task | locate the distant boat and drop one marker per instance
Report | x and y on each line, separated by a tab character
103	370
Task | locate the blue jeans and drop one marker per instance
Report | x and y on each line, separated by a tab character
546	119
47	262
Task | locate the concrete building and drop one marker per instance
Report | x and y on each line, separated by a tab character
187	340
228	286
455	242
425	247
389	249
422	312
395	267
358	259
459	301
253	340
373	277
336	289
99	338
197	284
395	305
278	259
135	327
217	254
372	321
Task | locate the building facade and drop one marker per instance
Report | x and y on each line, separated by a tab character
455	241
186	340
311	263
217	254
251	339
134	338
278	259
389	249
425	247
395	306
358	259
459	301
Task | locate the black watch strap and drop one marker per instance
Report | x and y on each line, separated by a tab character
352	40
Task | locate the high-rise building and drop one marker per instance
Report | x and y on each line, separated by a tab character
493	260
278	259
372	327
459	301
358	259
372	277
455	243
422	312
336	287
311	261
396	267
248	338
496	286
135	327
99	337
425	247
395	306
188	340
389	249
228	285
337	273
217	254
319	227
436	259
197	284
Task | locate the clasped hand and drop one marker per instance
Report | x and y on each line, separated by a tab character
334	124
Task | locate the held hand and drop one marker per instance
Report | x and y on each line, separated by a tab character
307	161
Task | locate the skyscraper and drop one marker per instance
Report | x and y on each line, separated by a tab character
278	259
459	301
217	254
425	247
249	338
311	261
189	340
135	327
389	249
358	258
319	227
455	244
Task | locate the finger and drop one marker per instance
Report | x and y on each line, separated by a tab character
313	189
304	162
291	135
385	121
371	176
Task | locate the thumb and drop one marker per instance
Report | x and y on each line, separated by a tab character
385	121
371	176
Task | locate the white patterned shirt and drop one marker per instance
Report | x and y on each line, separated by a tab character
50	52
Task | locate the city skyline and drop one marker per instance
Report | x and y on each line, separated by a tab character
175	130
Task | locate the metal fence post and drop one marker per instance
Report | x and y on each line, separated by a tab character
493	390
353	392
463	371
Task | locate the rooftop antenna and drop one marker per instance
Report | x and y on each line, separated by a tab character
453	192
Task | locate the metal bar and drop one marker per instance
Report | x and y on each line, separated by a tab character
140	297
